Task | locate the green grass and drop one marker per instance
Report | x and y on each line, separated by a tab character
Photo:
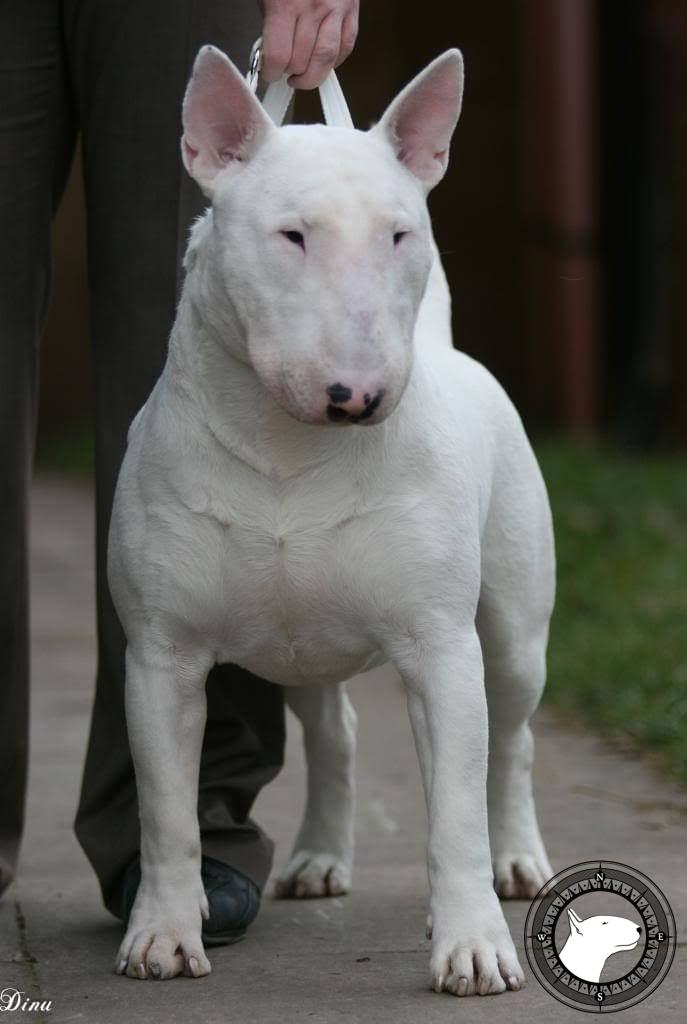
618	648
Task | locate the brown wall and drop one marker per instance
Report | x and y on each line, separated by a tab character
675	14
561	183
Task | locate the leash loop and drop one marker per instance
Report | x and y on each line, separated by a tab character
278	94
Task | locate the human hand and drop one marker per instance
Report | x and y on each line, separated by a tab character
305	39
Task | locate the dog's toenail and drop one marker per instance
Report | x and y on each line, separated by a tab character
193	965
155	970
513	983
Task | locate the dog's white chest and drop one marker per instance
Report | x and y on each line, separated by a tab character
287	576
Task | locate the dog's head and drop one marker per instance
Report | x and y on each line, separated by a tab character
322	234
603	933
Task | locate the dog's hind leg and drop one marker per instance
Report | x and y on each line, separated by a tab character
516	600
322	858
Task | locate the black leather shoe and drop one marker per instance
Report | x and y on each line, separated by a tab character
233	899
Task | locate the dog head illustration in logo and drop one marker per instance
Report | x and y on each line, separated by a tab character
593	940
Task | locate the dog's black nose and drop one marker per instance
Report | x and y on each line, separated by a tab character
639	929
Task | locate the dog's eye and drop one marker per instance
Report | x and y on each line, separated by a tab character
398	236
296	237
604	922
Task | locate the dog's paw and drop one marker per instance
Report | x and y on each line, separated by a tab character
162	951
163	937
476	967
476	956
520	876
309	875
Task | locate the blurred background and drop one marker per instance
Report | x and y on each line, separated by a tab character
563	228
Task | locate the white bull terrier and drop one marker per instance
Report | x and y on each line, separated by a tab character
319	484
593	940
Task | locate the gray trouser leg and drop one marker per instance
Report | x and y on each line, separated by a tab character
36	144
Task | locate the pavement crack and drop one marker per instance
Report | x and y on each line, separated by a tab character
26	957
23	933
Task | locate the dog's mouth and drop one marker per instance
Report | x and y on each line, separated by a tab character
332	414
337	414
630	945
316	405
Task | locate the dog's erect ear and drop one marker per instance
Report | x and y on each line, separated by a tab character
224	122
420	121
575	921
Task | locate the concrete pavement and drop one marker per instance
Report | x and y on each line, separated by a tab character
358	959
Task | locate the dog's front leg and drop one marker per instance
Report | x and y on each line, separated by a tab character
165	710
472	949
322	857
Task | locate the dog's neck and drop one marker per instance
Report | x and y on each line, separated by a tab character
583	962
205	366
